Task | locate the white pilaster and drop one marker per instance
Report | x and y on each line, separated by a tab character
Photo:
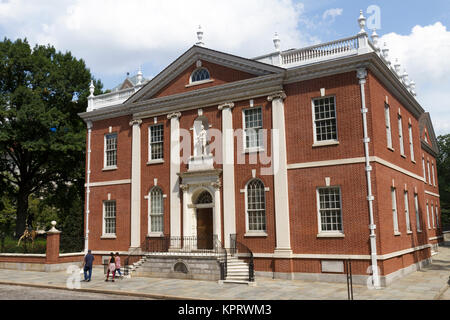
187	225
175	201
279	163
229	206
136	184
217	222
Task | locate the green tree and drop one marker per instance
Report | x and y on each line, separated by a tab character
42	138
443	167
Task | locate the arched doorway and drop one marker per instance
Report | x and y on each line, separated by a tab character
204	207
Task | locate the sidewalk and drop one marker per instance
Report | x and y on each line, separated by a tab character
427	284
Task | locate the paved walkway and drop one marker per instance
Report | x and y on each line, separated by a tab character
427	284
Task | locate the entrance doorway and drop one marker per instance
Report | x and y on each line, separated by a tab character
205	228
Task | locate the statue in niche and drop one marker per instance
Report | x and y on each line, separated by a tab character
202	140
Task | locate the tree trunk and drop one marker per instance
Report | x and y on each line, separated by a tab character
22	212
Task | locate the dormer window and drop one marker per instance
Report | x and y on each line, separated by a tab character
200	75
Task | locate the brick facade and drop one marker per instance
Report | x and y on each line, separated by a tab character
305	174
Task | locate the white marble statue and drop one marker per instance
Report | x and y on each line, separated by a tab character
201	140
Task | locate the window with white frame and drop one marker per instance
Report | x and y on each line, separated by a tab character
156	210
109	217
394	209
437	217
253	125
416	207
408	222
110	150
428	217
424	170
400	135
256	206
411	143
200	74
432	171
429	172
330	211
325	123
156	138
387	118
432	215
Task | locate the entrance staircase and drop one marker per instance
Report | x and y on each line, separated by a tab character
237	270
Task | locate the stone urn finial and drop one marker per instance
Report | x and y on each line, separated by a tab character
53	229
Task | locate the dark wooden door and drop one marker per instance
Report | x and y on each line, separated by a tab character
204	228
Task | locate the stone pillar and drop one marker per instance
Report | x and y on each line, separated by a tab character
175	201
136	184
229	207
279	163
52	250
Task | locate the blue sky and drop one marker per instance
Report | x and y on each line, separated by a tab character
117	36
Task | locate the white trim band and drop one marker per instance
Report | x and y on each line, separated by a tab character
109	183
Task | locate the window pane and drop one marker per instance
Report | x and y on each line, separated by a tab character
156	210
325	119
200	75
111	149
256	206
253	128
330	209
156	142
110	217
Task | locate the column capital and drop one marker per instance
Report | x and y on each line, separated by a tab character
217	184
135	122
89	124
229	105
277	95
174	115
184	187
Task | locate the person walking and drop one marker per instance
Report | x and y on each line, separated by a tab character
111	267
117	257
87	266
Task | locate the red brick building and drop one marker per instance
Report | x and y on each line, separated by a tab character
308	157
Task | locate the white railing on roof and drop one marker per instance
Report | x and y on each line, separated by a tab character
325	51
111	98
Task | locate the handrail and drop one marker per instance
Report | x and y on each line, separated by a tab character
242	249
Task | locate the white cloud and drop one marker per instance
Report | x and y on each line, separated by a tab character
117	36
425	54
331	14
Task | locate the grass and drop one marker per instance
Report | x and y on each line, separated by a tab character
10	246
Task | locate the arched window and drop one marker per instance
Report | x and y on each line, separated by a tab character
156	210
204	198
256	206
200	75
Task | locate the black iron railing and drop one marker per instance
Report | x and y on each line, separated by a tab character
238	248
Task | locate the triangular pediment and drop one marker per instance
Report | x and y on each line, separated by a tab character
224	68
427	134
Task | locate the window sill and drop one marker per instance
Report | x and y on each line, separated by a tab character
254	150
110	168
331	235
155	235
325	144
157	161
413	161
255	234
397	234
391	149
403	156
108	236
409	232
199	83
419	231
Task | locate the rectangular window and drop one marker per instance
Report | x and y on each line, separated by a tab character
156	138
394	210
429	172
432	171
325	124
424	170
400	135
253	128
387	117
432	215
416	207
437	218
109	217
408	222
428	216
111	150
411	144
330	212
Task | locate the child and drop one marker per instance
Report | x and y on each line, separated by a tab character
111	267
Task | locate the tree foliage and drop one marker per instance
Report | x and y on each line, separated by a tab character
443	167
42	138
